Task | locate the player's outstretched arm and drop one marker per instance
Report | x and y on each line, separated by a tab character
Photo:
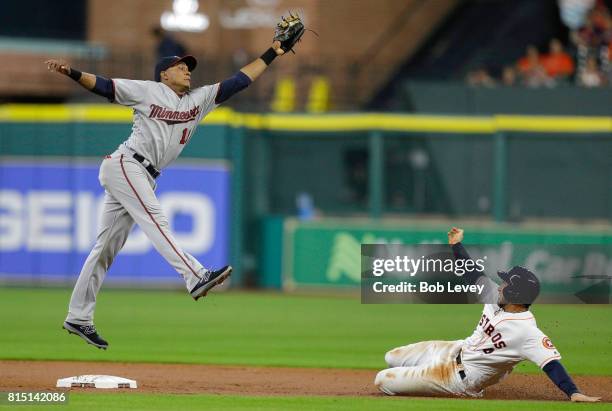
579	397
455	237
473	276
557	373
259	65
97	84
288	32
247	74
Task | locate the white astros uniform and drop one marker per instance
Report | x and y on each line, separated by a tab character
500	341
163	125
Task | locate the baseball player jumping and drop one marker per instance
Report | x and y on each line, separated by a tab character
506	334
166	114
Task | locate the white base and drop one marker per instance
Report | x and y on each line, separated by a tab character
95	381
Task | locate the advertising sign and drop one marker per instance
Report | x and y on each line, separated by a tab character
49	213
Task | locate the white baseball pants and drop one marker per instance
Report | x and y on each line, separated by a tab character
424	368
129	198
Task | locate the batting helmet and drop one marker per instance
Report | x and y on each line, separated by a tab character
523	286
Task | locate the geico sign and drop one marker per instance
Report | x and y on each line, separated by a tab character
63	221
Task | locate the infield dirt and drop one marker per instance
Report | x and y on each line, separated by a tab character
281	381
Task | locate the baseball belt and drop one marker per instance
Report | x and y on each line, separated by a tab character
460	366
147	165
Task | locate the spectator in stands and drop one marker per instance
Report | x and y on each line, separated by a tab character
480	77
508	76
557	63
606	49
531	70
167	45
591	76
530	60
593	40
591	36
597	30
600	16
605	53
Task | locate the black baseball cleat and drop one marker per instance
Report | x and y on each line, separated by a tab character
209	280
86	332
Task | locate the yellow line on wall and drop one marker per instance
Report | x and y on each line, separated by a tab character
553	124
105	113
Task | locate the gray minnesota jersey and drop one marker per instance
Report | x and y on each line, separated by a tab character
163	121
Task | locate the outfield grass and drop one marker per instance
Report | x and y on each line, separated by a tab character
133	402
271	329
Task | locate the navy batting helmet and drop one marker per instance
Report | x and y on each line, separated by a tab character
523	286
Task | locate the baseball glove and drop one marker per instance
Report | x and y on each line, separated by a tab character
289	31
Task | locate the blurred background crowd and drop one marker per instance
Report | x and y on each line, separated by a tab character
585	59
364	55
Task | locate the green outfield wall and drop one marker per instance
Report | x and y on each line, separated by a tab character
327	253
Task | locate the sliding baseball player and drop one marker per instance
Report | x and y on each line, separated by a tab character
505	335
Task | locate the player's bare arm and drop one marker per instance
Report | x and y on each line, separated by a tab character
559	376
288	33
259	65
578	397
247	74
97	84
86	80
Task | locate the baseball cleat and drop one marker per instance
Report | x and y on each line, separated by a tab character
86	332
209	280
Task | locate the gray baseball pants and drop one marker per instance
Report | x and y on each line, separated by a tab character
129	198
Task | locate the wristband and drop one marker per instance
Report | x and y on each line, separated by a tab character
75	74
268	56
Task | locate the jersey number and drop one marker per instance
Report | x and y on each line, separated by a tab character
185	137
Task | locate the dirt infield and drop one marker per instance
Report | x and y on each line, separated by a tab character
236	380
